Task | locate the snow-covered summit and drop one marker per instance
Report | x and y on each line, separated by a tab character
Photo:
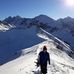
46	20
10	18
68	21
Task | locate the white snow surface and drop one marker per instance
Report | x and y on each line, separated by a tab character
61	62
4	27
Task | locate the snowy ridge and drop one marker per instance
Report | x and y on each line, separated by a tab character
57	40
61	62
49	37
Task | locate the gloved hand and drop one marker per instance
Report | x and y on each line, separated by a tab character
37	64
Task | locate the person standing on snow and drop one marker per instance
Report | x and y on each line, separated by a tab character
42	60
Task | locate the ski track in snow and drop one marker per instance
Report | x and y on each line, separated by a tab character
25	64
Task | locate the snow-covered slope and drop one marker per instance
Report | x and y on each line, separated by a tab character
5	26
66	31
61	62
16	39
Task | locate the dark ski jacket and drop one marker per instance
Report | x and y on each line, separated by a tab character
43	57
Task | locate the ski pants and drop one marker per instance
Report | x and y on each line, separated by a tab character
43	68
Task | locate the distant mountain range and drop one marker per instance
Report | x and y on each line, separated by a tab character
62	28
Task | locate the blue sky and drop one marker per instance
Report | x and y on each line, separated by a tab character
31	8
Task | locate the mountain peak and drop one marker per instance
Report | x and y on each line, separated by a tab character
43	16
17	17
14	17
68	17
